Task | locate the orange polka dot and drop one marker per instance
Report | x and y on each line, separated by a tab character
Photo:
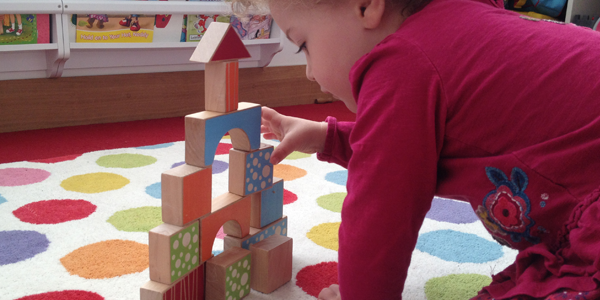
107	259
287	172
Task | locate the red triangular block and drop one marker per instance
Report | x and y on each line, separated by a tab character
231	47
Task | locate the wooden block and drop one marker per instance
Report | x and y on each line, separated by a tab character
186	194
221	86
219	42
228	275
267	206
191	287
250	171
256	235
271	263
174	251
230	211
204	130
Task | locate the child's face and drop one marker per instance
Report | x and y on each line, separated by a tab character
331	37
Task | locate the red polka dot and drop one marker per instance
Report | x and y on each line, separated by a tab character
223	148
57	159
313	279
64	295
54	211
289	197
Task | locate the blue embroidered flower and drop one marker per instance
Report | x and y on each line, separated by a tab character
505	210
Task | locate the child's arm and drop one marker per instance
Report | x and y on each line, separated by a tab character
295	134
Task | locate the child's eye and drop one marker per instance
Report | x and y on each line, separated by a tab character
302	47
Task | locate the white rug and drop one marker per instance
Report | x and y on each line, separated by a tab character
64	224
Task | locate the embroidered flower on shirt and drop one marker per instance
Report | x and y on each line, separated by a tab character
505	210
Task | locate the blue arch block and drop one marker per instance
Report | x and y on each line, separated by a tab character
204	130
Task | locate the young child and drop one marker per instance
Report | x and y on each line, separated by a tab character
464	100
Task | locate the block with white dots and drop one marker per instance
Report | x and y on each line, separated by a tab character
250	171
228	275
174	251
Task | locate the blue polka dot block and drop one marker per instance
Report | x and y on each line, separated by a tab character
267	206
250	171
257	234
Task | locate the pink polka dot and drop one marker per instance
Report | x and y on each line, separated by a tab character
71	295
54	211
22	176
221	234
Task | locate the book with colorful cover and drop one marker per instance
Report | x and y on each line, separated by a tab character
197	25
253	27
101	28
24	29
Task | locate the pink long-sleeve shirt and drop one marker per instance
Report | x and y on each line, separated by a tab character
471	102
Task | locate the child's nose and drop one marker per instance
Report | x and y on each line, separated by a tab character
309	72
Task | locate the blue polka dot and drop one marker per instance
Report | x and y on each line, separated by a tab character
338	177
177	164
2	199
446	210
459	247
19	245
154	190
158	146
219	166
217	252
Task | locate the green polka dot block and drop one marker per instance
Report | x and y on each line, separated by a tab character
228	275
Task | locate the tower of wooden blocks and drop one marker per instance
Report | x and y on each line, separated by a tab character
258	253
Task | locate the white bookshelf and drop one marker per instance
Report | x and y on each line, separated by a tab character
65	57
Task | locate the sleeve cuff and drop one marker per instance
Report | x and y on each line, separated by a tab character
326	155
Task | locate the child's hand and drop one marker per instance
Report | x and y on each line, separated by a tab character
295	134
330	293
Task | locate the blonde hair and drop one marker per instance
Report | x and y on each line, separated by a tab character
245	7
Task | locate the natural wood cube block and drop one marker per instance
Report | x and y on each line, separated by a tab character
186	194
228	275
221	85
271	263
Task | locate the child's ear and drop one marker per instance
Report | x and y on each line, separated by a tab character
370	12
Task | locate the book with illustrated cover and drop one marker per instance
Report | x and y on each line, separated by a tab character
253	27
197	25
100	28
24	29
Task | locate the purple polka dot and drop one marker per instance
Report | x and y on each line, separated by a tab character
19	245
446	210
217	166
22	176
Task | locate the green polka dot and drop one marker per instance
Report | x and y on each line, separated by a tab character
125	161
238	278
94	183
297	155
185	247
455	286
140	219
332	202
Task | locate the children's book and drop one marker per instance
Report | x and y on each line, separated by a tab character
197	25
24	29
253	27
99	28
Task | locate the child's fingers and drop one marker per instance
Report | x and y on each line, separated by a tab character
330	293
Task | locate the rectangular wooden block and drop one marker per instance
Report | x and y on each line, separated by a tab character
228	275
271	263
174	251
221	85
250	171
278	227
204	131
230	211
186	194
191	287
267	206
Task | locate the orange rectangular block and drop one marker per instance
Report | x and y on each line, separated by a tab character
221	86
230	211
271	263
186	194
228	275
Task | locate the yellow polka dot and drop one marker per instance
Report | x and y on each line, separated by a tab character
107	259
287	172
325	235
94	183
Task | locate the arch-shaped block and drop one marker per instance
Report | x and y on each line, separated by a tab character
204	130
230	211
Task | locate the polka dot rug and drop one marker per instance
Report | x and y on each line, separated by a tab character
76	227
